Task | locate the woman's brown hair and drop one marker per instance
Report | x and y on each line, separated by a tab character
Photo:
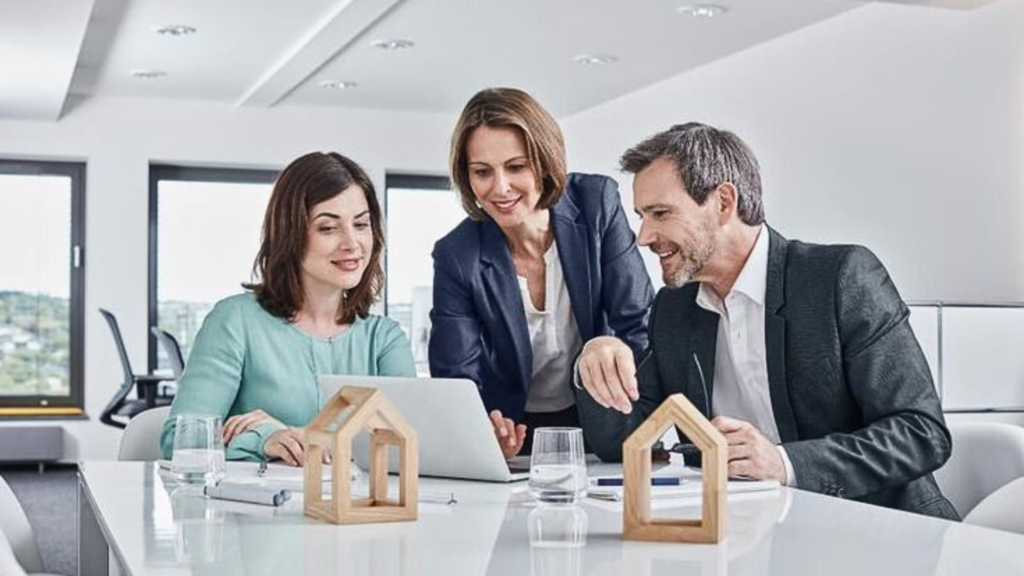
510	108
306	182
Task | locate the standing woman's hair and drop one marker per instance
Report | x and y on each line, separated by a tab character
510	108
306	182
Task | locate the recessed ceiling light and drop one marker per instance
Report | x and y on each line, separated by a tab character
338	84
594	59
703	10
393	44
175	30
149	74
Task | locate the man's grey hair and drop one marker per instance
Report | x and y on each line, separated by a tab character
705	158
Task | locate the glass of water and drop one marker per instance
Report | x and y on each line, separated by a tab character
558	469
198	456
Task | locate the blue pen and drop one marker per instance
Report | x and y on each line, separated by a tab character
655	481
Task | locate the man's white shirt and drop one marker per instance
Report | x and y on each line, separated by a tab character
741	360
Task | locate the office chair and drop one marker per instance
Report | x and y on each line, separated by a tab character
141	438
17	532
986	456
9	565
145	385
172	349
1002	509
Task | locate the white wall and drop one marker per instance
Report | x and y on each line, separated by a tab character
119	138
893	126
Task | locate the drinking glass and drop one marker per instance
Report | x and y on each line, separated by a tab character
198	456
558	470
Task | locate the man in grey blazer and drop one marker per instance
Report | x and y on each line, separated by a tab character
801	354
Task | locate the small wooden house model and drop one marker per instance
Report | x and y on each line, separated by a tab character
349	412
637	523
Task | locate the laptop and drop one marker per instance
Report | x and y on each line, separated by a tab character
456	436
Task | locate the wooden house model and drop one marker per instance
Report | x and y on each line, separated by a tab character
637	522
349	412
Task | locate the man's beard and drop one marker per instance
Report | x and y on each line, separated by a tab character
694	254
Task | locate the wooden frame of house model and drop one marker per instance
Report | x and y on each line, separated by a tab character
637	522
349	412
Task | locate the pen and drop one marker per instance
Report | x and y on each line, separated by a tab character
655	481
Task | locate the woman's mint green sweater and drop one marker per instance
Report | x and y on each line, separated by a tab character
244	358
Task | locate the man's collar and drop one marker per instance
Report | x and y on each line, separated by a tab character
752	280
754	276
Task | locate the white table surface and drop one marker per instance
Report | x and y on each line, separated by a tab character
153	528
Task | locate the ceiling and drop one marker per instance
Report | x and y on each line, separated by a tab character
265	53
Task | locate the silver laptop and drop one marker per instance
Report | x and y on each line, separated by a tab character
456	436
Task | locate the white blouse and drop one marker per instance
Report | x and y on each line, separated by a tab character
554	338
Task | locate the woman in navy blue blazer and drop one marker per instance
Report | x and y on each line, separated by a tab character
545	262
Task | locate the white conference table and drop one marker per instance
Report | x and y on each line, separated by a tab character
133	514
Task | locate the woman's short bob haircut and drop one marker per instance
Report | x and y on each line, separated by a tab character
510	108
306	182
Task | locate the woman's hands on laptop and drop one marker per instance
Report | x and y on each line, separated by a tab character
510	435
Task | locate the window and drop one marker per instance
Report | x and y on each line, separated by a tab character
41	298
204	233
420	210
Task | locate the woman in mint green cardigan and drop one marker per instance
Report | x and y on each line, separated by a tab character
256	359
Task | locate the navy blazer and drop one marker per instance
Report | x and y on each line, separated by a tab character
478	323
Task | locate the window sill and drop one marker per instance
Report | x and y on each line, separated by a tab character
37	413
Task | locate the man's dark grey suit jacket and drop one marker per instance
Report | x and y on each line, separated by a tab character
850	388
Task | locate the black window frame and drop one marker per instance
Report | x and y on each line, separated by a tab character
32	406
403	180
182	173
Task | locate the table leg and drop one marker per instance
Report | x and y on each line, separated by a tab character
92	545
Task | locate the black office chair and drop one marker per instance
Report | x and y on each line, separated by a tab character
145	385
172	349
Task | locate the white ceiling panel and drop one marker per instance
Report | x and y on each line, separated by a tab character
266	52
39	45
953	4
236	41
331	35
465	45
